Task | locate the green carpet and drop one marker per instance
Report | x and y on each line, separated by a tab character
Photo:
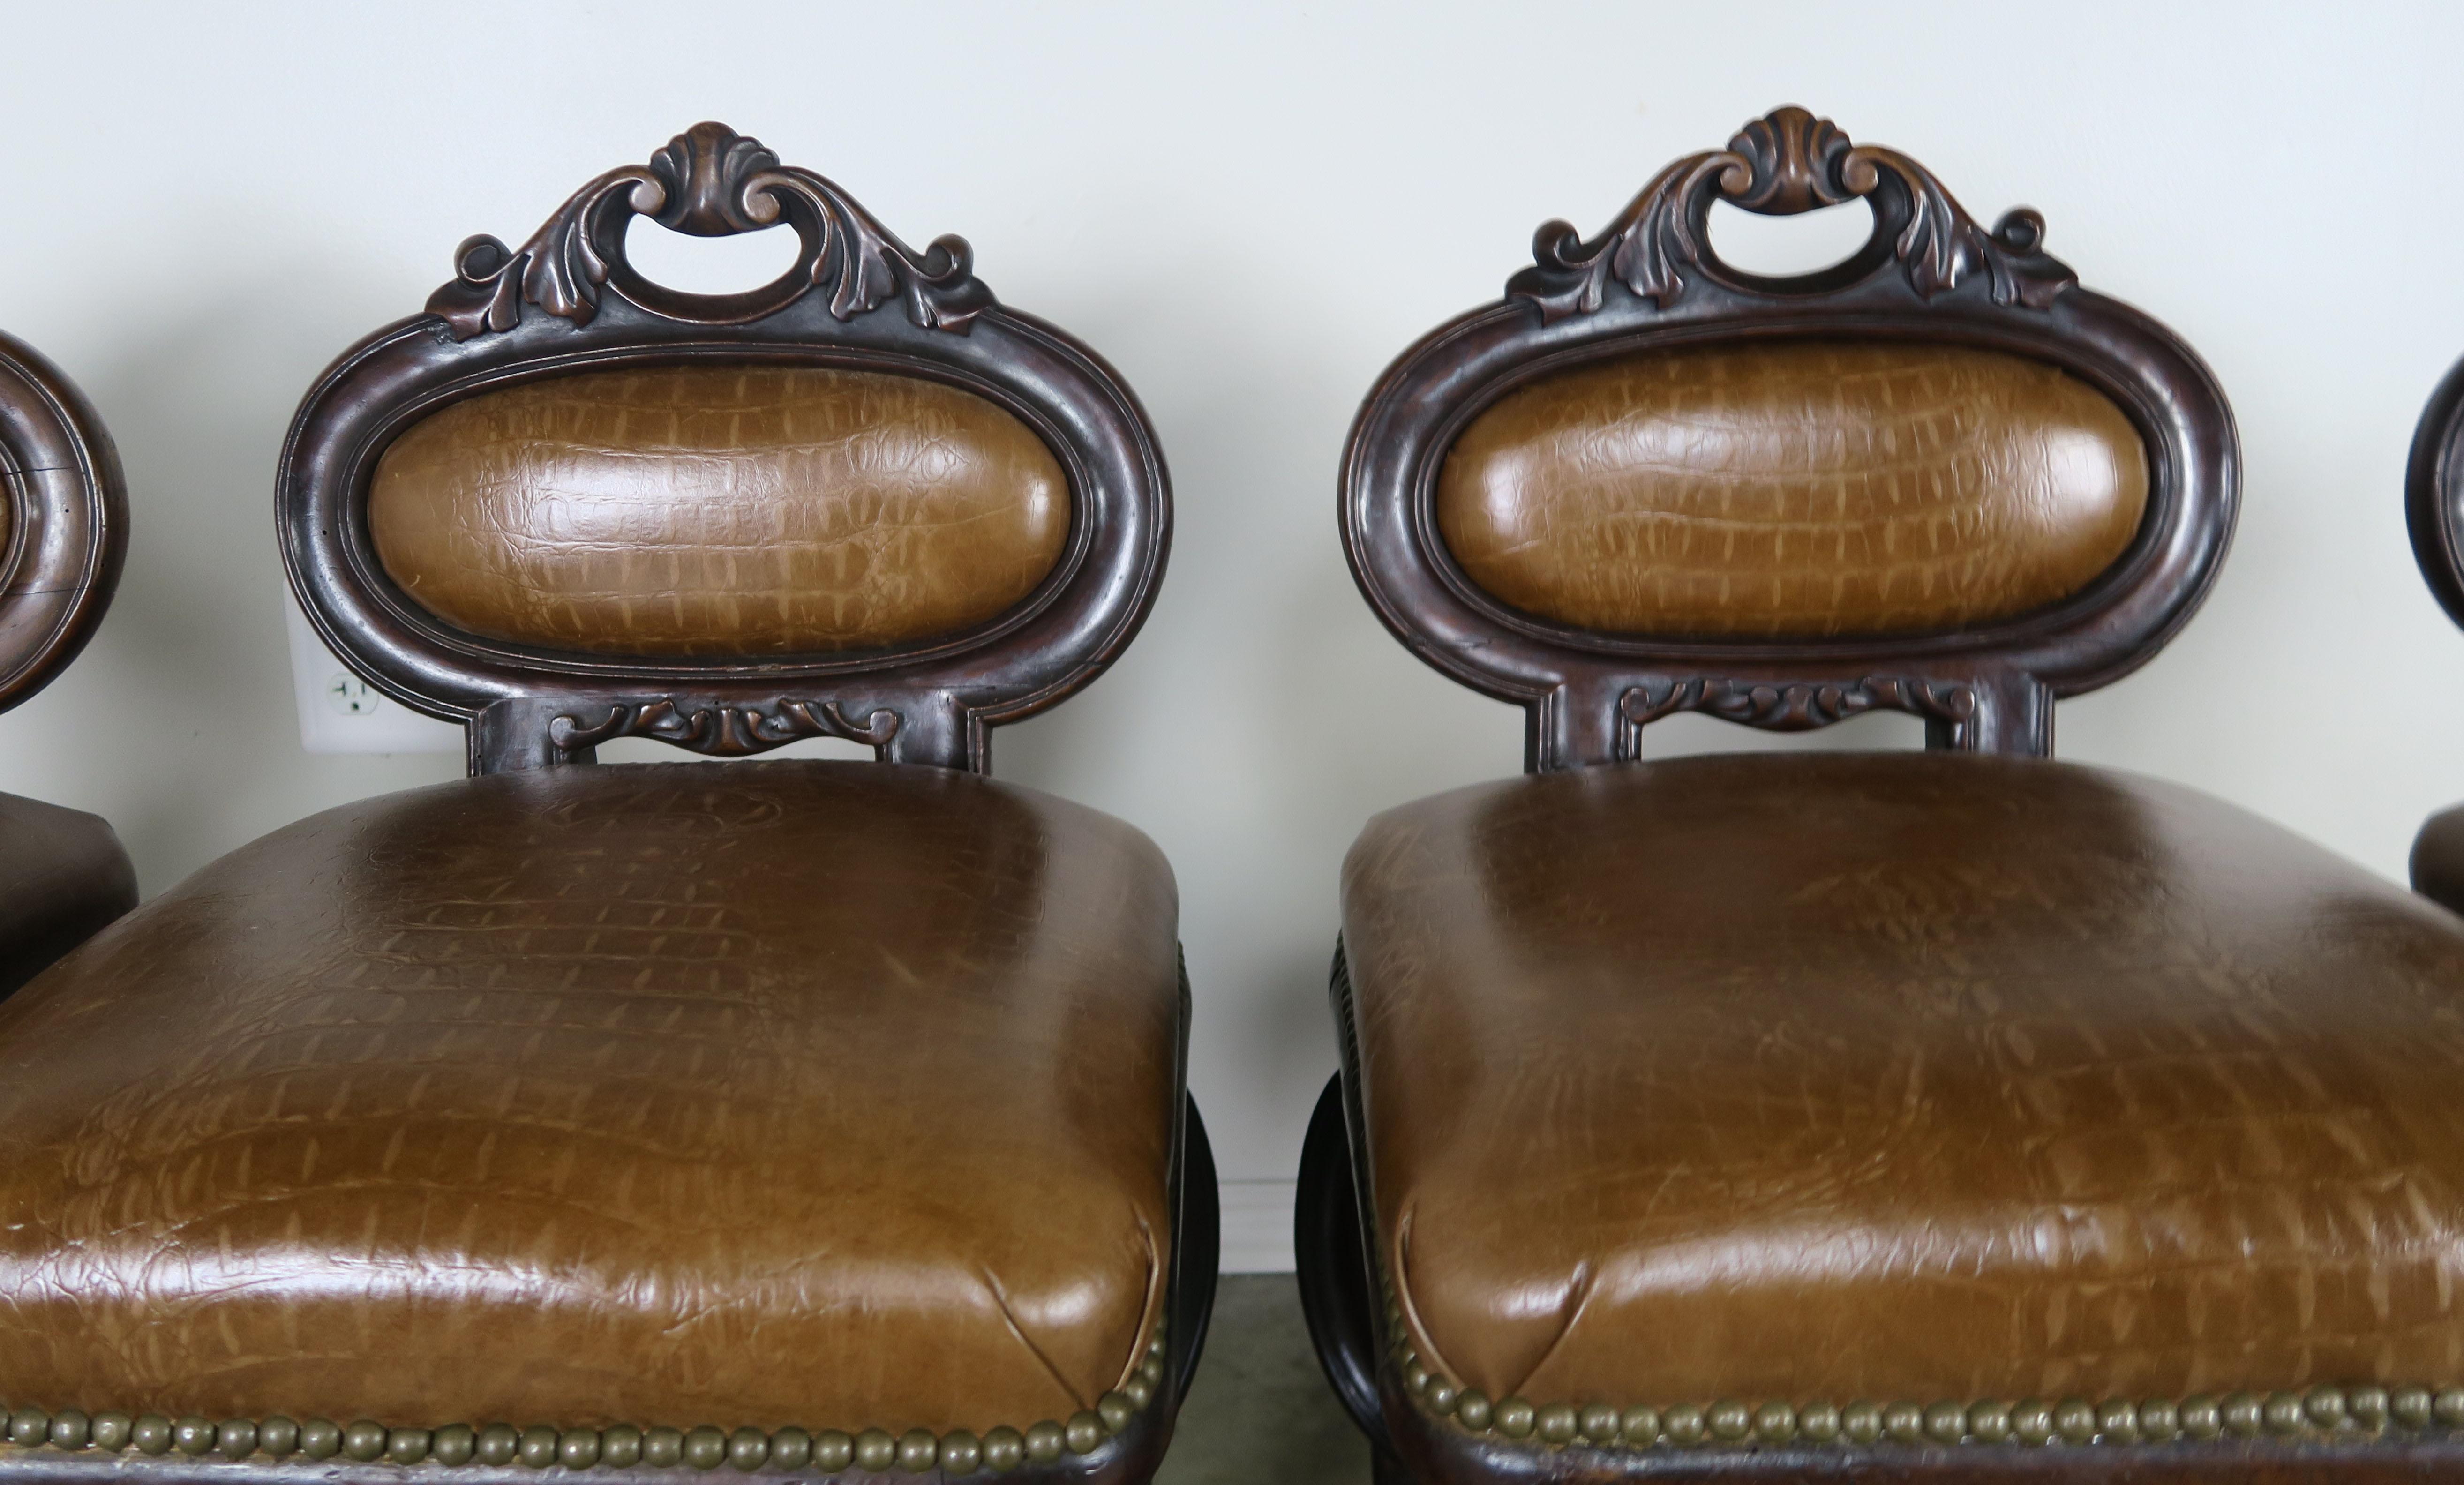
1260	1409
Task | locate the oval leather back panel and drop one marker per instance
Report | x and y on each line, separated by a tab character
1798	489
718	511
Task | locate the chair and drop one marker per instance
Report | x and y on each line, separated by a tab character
2435	513
1944	1114
63	533
809	1117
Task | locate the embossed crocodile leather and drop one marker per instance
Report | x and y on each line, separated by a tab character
1902	1076
718	511
63	875
1802	490
830	1095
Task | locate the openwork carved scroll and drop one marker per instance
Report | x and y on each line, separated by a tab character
1785	162
711	182
725	732
1798	705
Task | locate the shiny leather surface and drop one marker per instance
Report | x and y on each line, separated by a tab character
718	511
64	876
1903	1076
1803	489
795	1093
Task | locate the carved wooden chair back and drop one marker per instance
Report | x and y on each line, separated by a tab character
864	501
1939	477
63	521
2435	493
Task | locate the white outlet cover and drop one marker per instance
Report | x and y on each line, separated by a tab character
338	712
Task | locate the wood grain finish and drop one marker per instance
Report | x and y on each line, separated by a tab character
720	511
1803	490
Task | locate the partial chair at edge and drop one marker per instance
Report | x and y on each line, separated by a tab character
63	533
1942	1115
809	1118
2435	511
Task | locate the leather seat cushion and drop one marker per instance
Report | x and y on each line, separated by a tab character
62	877
809	1094
1902	1076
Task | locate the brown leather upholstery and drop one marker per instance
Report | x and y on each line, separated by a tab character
1902	1076
1803	489
64	876
2438	859
720	511
770	1094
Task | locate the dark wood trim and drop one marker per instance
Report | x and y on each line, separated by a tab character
1929	272
2434	492
568	300
67	535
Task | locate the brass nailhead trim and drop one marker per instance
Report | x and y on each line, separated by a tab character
916	1452
2347	1412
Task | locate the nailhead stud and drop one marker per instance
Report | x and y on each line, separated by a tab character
320	1438
790	1449
1116	1411
1862	1422
455	1443
535	1451
1005	1448
73	1429
1151	1371
663	1447
2075	1420
407	1446
2410	1406
1083	1432
2245	1414
1597	1423
918	1451
2202	1417
1440	1396
2326	1407
1639	1427
1044	1441
2117	1420
1774	1422
2159	1420
1731	1420
2447	1407
1945	1423
2033	1423
705	1447
1140	1394
152	1435
1818	1420
748	1448
1685	1425
363	1440
833	1450
111	1430
194	1436
961	1451
1903	1422
1473	1408
579	1448
1989	1421
496	1444
1556	1423
620	1448
234	1437
1417	1377
28	1426
2284	1413
1515	1417
2368	1406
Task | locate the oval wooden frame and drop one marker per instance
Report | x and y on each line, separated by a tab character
1928	272
68	521
858	297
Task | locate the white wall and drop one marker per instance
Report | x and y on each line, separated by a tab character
1249	209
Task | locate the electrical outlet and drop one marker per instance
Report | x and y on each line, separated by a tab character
340	712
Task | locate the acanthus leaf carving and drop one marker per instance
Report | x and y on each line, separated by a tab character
709	182
724	731
1796	705
1785	163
